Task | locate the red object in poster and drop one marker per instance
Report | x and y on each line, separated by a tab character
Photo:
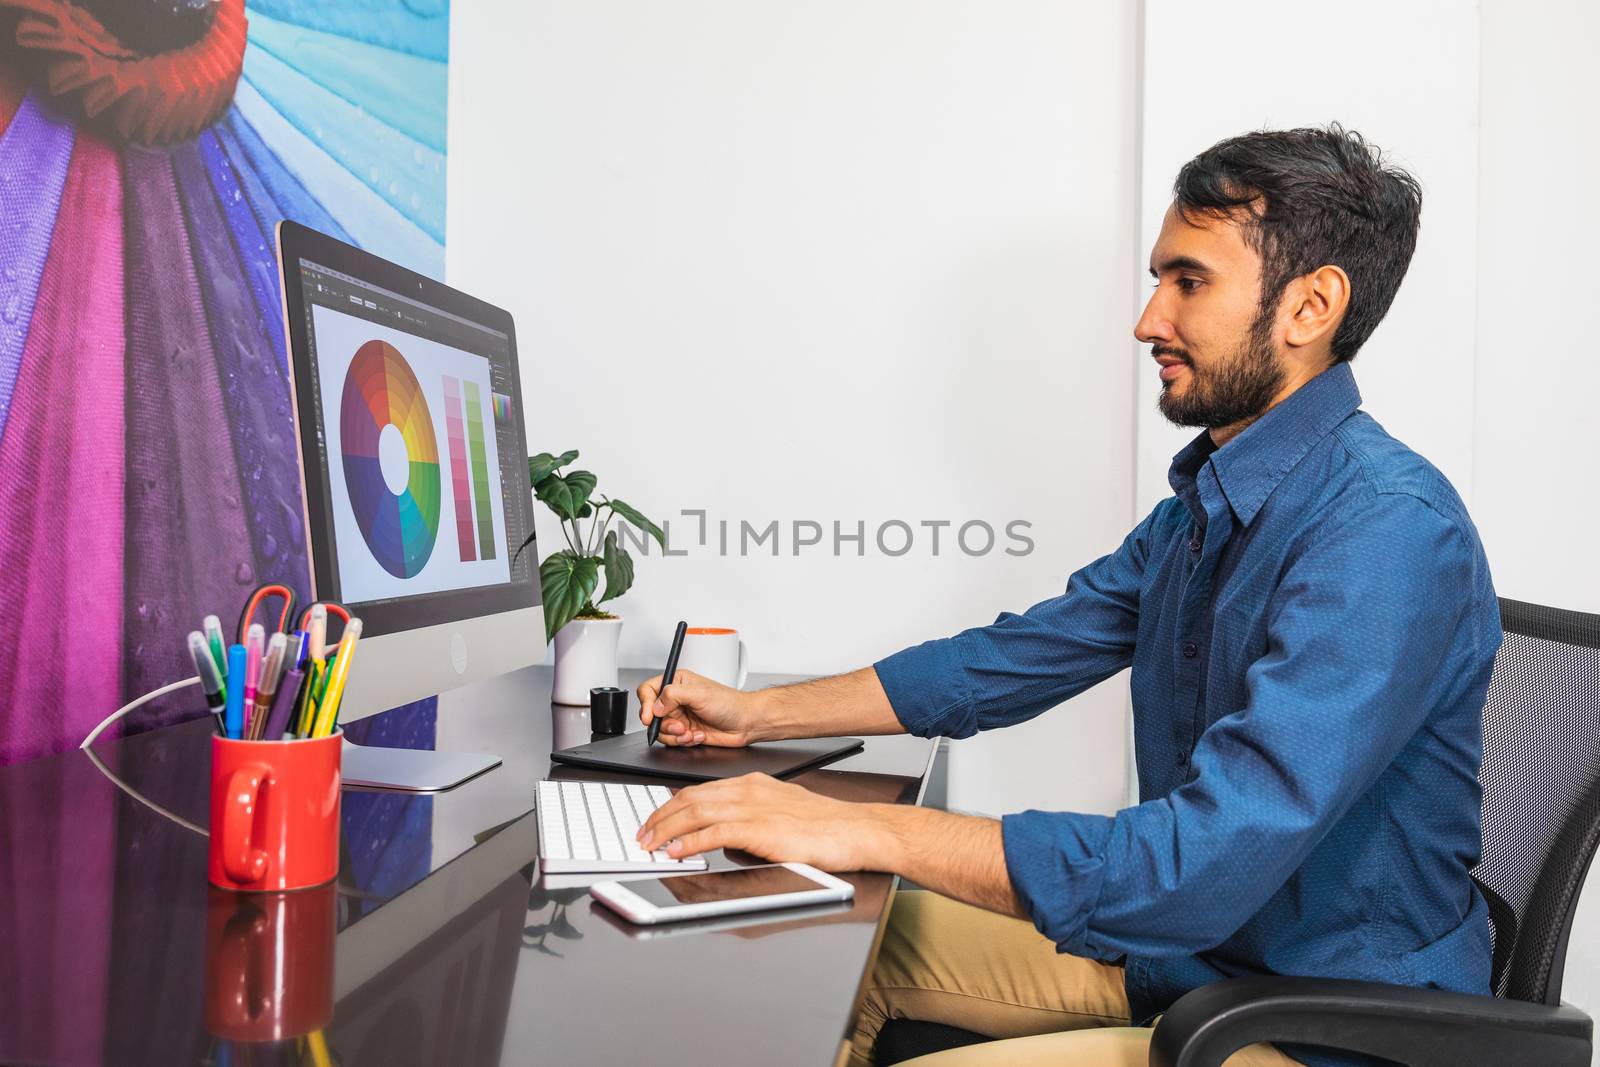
152	98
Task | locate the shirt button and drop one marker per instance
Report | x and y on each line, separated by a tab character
1194	544
1190	650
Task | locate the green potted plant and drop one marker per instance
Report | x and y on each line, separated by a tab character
585	635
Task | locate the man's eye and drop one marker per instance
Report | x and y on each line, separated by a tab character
1188	285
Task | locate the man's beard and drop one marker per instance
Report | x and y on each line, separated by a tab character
1239	388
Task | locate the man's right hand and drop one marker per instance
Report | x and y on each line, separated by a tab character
694	710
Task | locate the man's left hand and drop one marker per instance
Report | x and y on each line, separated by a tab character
775	820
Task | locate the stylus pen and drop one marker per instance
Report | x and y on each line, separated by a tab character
667	675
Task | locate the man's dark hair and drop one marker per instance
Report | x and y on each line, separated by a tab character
1313	197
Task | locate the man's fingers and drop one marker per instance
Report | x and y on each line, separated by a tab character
722	835
708	792
647	698
696	815
681	737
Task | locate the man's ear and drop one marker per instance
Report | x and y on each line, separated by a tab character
1316	305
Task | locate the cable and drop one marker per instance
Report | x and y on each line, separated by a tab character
124	786
140	797
136	703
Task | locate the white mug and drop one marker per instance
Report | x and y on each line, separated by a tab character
714	652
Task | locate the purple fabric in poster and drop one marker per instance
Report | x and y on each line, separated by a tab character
33	166
255	388
57	828
262	206
257	253
61	461
186	535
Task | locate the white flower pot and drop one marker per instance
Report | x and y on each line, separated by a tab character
586	656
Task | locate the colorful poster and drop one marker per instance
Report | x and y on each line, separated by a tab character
147	460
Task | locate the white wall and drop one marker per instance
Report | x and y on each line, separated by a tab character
823	262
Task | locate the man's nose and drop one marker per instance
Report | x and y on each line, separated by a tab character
1153	327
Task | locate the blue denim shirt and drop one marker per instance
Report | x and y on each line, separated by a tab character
1311	627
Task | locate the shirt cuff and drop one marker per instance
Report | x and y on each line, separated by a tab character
1056	864
926	690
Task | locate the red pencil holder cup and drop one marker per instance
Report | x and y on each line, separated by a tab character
269	963
274	813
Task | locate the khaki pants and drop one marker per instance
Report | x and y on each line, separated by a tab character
947	962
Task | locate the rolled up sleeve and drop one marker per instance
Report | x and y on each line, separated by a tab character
1021	665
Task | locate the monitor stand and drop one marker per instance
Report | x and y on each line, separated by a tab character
411	770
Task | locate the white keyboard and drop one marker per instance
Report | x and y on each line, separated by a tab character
590	826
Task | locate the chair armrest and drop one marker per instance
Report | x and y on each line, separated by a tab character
1418	1027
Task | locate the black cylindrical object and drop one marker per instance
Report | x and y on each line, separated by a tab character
608	709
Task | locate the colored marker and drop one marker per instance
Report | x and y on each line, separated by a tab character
328	710
233	716
305	705
267	684
255	643
210	678
319	632
219	645
283	705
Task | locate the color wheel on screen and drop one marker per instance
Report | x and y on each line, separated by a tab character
391	459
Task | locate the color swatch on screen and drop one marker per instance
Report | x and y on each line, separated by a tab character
456	434
502	408
480	468
380	390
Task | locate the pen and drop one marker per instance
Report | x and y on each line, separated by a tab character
298	641
267	684
667	675
210	677
328	709
233	717
282	705
319	632
255	642
219	647
307	713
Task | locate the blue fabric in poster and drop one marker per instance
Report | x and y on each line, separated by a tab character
420	27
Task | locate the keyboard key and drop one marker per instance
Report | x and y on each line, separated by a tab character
591	826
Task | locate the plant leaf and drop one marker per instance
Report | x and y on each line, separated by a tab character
566	494
635	516
619	568
544	464
567	582
528	541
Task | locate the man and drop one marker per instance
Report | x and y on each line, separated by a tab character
1310	625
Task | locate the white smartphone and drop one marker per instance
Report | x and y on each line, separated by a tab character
725	892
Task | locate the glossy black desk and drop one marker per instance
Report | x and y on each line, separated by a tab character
450	948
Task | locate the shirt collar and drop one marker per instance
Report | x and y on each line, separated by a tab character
1251	465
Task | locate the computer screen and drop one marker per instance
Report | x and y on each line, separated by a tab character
415	459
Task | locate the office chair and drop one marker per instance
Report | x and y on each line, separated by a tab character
1541	824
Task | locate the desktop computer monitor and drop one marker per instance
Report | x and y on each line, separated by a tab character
414	467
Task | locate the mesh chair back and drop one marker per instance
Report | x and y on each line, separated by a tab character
1541	791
